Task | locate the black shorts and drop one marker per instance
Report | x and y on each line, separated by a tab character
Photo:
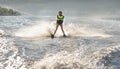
59	21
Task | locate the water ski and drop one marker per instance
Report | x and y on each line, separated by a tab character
52	36
64	35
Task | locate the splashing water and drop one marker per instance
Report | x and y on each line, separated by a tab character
46	28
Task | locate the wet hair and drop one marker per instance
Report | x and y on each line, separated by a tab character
60	11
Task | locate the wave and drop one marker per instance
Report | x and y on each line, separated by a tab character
45	28
106	58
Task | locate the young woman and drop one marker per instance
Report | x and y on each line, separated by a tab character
60	18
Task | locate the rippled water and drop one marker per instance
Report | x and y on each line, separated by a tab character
92	43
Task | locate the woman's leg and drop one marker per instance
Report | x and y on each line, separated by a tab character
56	28
61	25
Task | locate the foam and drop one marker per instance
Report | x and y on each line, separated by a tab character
102	59
9	58
2	32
